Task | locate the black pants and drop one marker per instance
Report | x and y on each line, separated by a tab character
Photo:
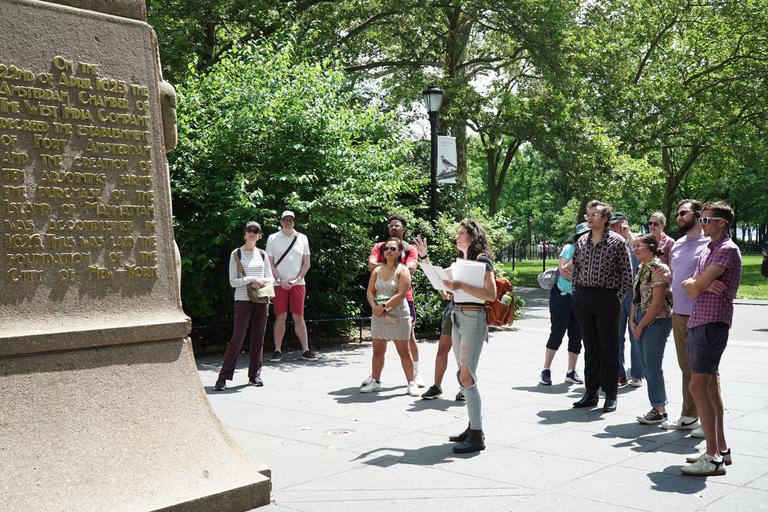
598	311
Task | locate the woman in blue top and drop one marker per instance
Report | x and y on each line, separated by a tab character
470	327
562	318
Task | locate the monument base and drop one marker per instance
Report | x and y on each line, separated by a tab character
122	427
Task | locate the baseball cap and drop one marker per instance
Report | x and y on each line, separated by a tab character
287	213
618	216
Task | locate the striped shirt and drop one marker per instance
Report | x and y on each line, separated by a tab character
255	264
605	265
714	307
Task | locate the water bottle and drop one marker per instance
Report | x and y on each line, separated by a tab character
506	299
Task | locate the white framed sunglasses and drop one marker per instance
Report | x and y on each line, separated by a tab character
705	220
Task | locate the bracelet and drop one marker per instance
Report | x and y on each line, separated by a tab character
386	308
422	258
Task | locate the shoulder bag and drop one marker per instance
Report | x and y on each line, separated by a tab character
548	278
265	292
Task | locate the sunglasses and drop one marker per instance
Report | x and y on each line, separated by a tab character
705	220
683	213
654	224
253	230
391	249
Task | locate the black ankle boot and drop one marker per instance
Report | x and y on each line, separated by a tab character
474	442
459	438
589	399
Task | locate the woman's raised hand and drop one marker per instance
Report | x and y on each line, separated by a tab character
421	246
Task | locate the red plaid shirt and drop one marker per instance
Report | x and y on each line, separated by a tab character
712	307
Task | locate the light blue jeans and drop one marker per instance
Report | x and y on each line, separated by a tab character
470	330
636	356
653	340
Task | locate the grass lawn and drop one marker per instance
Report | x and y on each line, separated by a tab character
752	286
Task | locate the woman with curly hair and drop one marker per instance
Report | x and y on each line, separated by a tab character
470	326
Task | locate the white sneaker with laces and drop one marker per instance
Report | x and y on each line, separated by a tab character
698	432
367	380
681	423
705	465
413	389
372	386
725	455
419	381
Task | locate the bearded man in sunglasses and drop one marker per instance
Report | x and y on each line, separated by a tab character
712	288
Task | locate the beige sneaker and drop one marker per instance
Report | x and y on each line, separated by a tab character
705	465
726	457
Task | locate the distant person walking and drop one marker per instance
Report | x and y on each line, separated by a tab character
255	273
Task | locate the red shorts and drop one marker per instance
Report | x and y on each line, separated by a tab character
295	296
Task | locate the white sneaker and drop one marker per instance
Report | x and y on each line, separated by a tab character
725	455
371	386
698	432
705	465
681	423
413	389
419	381
367	380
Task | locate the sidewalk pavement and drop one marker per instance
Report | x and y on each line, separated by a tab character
332	448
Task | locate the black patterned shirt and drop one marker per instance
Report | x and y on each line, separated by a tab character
605	265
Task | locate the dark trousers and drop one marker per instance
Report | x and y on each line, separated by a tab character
598	311
255	315
562	318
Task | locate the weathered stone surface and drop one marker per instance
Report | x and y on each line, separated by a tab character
102	407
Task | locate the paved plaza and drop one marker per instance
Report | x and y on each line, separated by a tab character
331	448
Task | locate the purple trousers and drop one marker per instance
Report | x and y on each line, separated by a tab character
246	313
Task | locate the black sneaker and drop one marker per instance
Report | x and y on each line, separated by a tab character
432	393
653	417
546	377
276	356
460	396
255	381
221	385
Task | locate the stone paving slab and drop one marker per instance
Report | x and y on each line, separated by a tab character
332	448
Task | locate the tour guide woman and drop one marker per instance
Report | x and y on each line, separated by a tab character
257	273
470	327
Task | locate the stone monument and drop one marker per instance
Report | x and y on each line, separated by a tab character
101	407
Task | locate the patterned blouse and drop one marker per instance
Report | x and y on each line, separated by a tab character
647	281
605	265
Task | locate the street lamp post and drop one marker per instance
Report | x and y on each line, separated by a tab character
433	99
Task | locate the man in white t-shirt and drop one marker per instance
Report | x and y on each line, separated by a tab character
288	252
684	258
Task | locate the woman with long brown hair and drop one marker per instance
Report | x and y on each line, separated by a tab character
470	326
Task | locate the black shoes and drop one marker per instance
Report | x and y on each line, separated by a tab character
255	381
221	385
610	404
474	442
460	438
589	399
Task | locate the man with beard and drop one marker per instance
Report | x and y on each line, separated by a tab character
683	259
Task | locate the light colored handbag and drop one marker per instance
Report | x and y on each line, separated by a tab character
548	278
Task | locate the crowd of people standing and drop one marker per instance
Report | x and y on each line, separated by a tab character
610	283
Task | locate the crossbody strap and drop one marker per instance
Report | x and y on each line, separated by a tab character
286	251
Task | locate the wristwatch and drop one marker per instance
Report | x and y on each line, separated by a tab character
278	280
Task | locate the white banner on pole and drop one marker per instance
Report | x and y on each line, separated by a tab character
446	159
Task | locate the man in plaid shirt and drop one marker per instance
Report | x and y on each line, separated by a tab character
713	288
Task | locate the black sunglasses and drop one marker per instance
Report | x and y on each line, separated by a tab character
654	224
391	249
253	230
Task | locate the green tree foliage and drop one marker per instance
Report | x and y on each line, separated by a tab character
264	131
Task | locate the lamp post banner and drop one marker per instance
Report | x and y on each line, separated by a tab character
446	159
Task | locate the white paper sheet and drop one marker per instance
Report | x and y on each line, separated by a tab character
471	273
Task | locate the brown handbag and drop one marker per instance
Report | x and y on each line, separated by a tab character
498	314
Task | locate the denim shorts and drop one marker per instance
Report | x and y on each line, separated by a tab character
705	346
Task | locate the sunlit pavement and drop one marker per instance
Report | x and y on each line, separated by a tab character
331	448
